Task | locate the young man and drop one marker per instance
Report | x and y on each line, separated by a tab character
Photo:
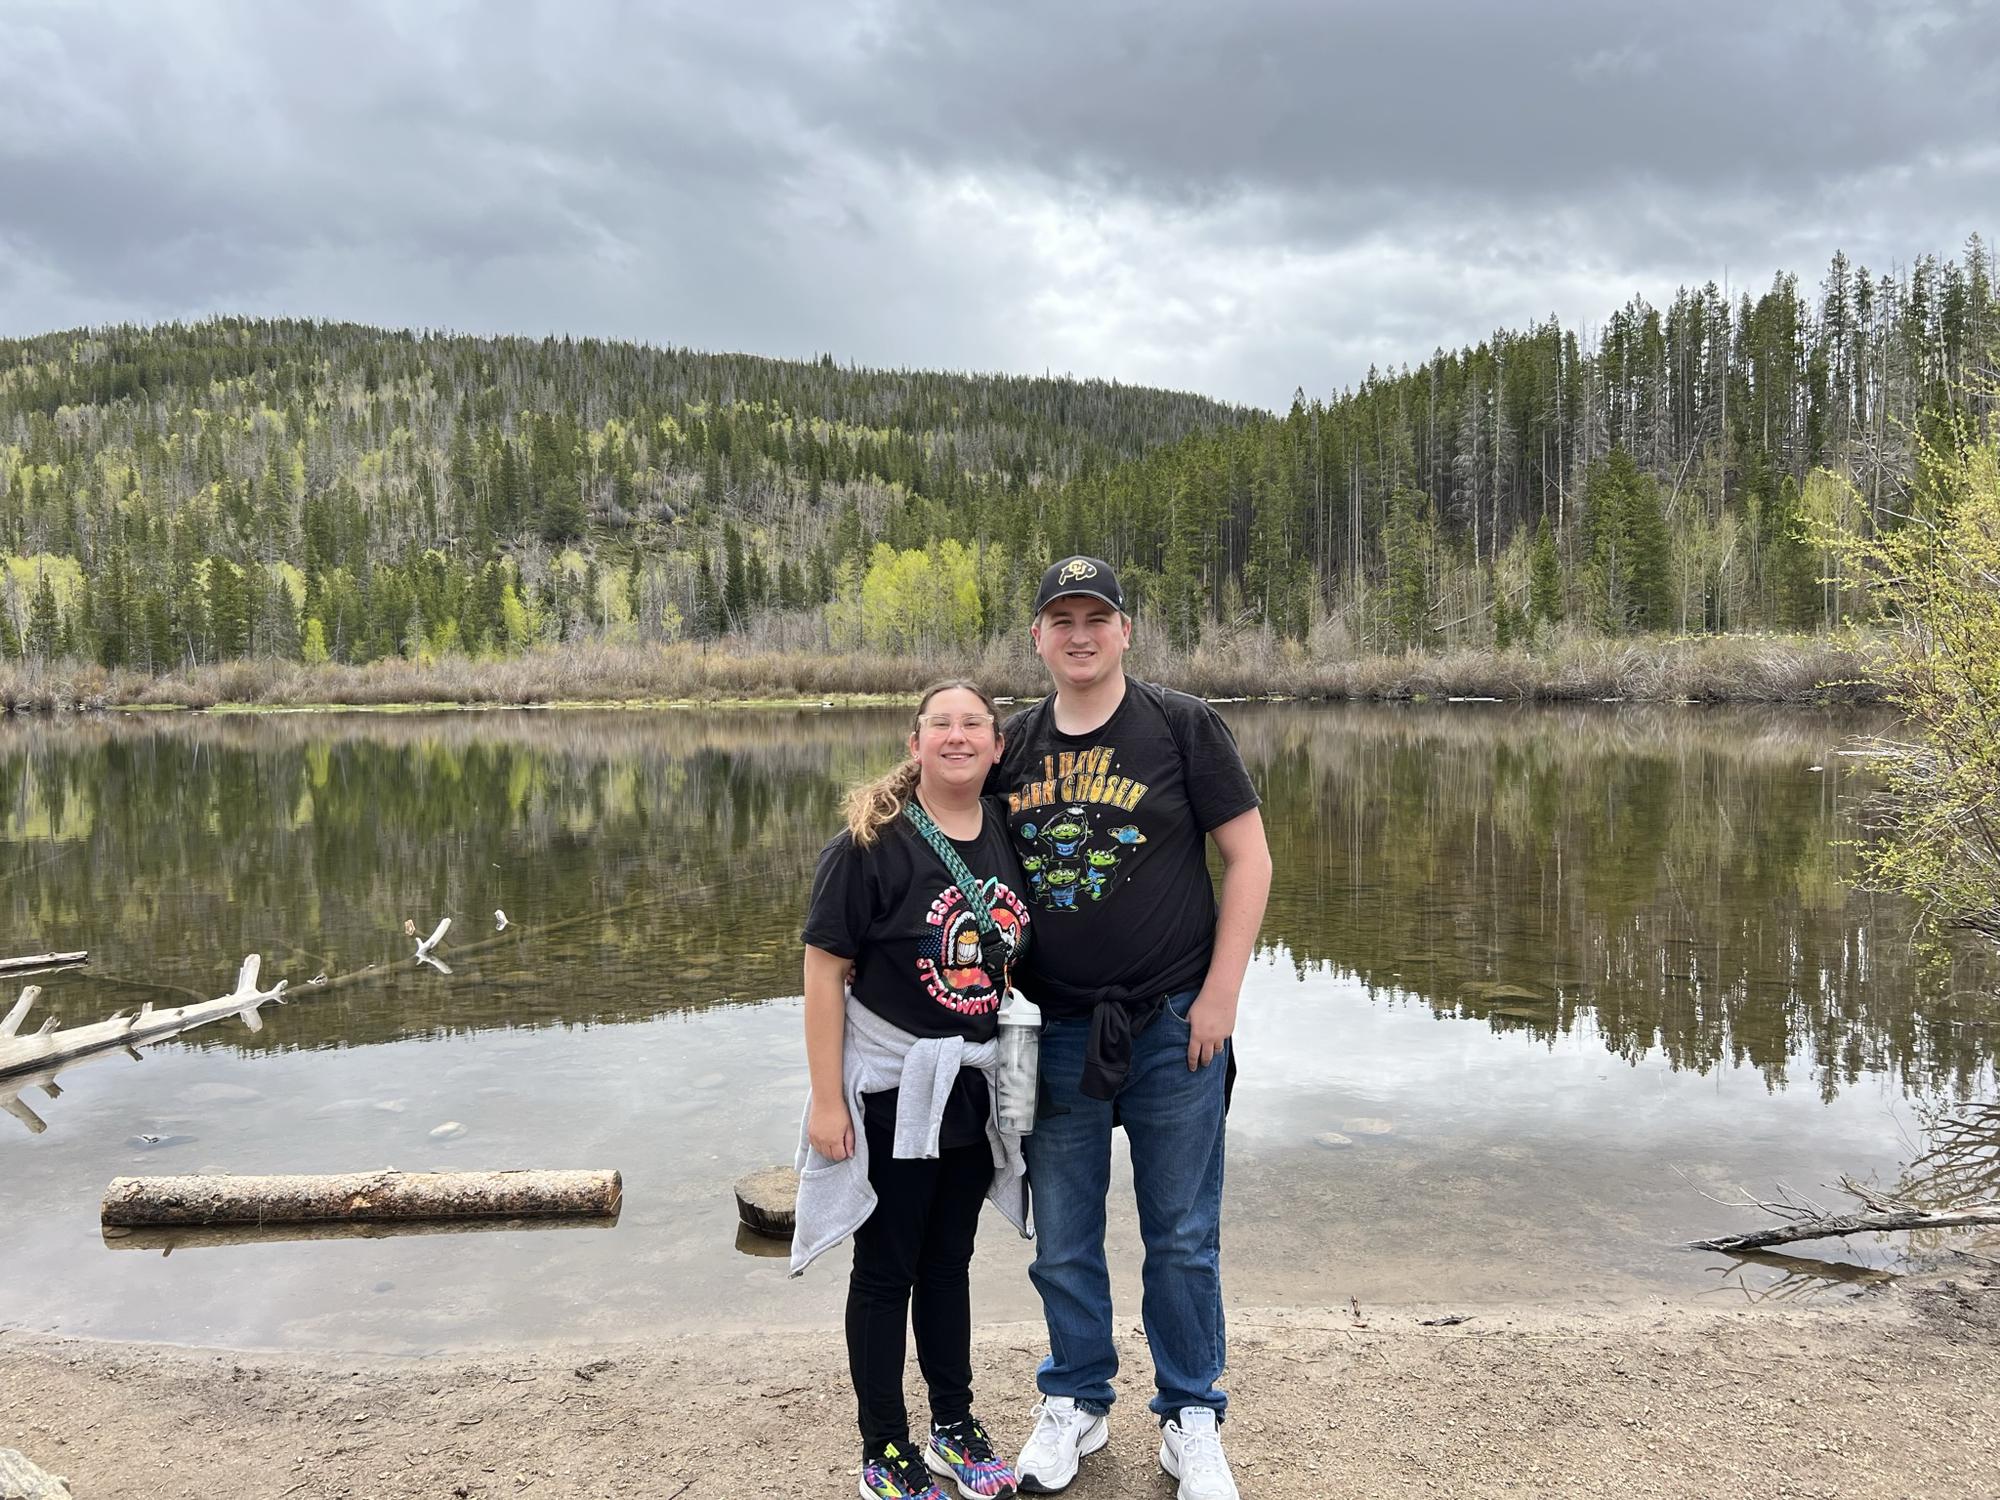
1113	787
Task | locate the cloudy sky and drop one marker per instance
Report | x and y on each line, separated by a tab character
1237	198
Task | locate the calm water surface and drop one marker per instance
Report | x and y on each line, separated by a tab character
1532	983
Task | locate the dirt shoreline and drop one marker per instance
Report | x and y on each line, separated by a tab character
1893	1393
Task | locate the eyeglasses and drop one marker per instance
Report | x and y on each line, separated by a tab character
964	723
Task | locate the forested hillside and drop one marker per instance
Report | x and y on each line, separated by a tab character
1666	471
184	494
178	494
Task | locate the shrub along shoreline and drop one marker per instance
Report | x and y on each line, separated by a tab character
1698	669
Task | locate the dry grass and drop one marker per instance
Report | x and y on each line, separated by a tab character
1712	669
1702	669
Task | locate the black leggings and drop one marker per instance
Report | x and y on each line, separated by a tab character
919	1239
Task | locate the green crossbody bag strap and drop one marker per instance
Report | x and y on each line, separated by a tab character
977	896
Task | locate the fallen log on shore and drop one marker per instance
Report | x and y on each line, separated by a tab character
358	1197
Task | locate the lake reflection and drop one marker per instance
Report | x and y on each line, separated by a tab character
1519	966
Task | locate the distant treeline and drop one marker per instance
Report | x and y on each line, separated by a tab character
184	494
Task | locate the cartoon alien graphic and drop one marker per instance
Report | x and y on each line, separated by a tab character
1067	833
1099	864
1062	886
1032	866
1062	863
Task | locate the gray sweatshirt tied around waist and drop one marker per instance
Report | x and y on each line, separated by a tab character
835	1197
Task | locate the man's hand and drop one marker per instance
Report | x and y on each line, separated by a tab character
830	1130
1211	1022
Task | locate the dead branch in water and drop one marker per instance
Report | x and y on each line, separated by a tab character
42	961
1879	1214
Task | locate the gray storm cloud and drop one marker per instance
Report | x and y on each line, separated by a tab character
1237	200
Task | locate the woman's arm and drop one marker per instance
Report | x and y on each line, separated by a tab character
828	1127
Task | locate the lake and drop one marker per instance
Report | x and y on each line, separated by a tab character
1532	983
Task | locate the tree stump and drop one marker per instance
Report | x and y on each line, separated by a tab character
767	1201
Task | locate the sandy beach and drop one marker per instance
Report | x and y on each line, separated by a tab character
1887	1393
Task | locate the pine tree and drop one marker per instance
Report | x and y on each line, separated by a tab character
1631	553
1545	583
113	613
735	586
708	617
156	632
44	622
1407	544
562	511
229	623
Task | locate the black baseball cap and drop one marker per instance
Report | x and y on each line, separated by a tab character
1080	575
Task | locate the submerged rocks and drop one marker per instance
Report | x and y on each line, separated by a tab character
1490	990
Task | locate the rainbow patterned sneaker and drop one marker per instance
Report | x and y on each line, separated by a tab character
960	1451
893	1474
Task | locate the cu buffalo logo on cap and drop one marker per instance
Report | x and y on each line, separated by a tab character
1076	568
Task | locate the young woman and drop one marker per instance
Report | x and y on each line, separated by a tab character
913	926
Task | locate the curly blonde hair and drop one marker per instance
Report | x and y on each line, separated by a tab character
873	805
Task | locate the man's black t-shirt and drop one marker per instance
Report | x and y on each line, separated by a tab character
1111	830
895	911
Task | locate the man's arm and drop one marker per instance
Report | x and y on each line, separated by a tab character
1246	885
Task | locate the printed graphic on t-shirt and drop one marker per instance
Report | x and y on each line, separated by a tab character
1072	852
955	978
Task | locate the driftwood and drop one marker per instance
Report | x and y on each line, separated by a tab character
1879	1214
359	1197
50	1047
35	1060
42	961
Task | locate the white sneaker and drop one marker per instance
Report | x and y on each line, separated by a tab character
1191	1451
1063	1433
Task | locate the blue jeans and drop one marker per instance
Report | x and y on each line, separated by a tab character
1173	1121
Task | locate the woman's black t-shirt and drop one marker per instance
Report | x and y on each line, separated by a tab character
896	912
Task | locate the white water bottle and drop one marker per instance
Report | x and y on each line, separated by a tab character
1020	1041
